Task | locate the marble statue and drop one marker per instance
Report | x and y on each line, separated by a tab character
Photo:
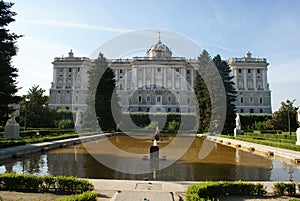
298	129
238	125
12	128
77	122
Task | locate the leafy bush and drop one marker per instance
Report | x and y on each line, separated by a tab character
209	190
61	184
66	123
254	121
282	188
173	126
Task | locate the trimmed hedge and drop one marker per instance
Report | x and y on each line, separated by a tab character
210	190
142	119
47	183
285	188
249	121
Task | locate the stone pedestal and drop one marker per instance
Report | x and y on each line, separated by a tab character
237	131
77	128
298	136
12	130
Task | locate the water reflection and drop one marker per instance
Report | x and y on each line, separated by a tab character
222	163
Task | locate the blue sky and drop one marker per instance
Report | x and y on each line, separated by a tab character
268	29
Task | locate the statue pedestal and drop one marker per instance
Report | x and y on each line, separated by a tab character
298	136
77	128
12	130
237	131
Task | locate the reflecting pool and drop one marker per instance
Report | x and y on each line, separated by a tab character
219	163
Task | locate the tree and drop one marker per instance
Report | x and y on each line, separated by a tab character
100	96
225	71
202	94
106	100
280	118
8	73
38	115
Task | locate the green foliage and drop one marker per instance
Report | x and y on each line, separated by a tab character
173	126
202	93
282	188
225	71
36	112
280	118
142	120
86	196
9	143
106	101
95	72
210	190
61	184
152	125
65	123
8	73
254	121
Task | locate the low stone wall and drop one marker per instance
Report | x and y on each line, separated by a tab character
19	151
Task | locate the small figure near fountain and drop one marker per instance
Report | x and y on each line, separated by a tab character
156	137
12	128
298	129
238	126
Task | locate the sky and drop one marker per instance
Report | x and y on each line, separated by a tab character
269	29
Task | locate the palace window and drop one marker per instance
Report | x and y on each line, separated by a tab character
242	100
139	99
249	70
158	69
240	70
148	99
258	70
70	70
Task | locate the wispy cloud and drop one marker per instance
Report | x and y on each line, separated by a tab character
74	25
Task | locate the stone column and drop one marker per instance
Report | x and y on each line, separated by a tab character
254	79
245	79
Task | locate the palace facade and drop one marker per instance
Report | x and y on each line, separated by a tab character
158	82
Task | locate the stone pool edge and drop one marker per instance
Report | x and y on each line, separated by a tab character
19	151
263	150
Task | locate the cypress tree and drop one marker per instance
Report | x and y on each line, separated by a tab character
202	93
101	97
230	91
8	73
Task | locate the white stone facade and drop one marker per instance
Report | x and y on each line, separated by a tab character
70	82
158	82
251	83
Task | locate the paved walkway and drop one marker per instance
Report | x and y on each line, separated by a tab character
135	190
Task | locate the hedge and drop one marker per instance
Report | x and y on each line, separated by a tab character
47	183
142	119
249	120
285	188
210	190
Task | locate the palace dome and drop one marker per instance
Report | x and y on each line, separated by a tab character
159	50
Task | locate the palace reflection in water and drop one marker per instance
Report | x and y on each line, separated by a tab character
223	163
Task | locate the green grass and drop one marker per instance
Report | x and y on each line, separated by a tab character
274	140
9	143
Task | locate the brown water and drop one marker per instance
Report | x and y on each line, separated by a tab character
222	162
